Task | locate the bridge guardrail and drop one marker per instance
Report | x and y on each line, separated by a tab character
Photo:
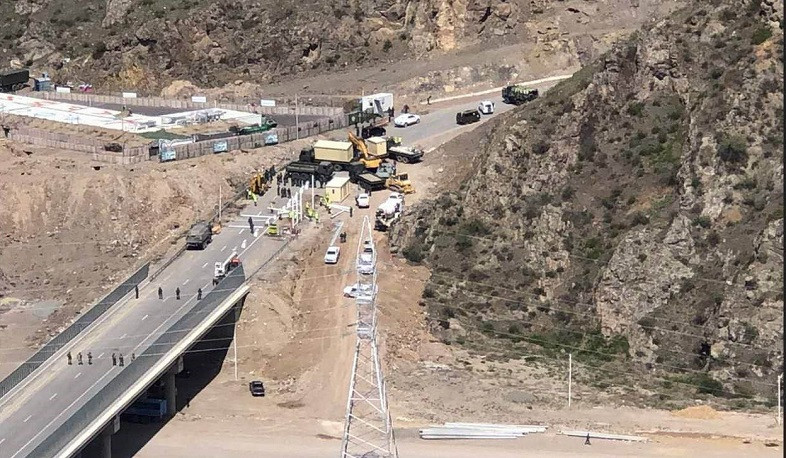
60	340
136	369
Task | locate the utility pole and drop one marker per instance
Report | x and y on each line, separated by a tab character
368	430
235	345
312	192
780	380
219	204
297	121
570	376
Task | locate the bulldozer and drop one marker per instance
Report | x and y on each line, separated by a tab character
400	183
258	184
369	161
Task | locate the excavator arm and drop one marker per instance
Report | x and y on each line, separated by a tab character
369	161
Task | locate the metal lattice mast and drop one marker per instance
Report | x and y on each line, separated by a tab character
368	431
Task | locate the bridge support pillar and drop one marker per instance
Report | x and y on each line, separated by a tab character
106	443
171	391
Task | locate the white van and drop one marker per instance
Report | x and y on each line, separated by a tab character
486	107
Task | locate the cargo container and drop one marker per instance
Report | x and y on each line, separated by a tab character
337	189
377	147
378	104
326	150
13	80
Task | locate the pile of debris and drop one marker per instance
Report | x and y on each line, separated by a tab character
478	431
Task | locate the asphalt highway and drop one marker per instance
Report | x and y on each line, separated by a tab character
47	398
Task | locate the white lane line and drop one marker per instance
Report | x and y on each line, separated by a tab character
223	248
145	317
28	418
204	265
123	336
234	250
77	375
53	396
240	231
186	282
2	440
101	355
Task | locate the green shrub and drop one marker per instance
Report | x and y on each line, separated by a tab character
386	47
733	149
635	109
761	35
414	253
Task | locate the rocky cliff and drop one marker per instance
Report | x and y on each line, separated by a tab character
146	44
633	216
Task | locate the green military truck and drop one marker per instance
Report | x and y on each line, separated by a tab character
199	236
518	94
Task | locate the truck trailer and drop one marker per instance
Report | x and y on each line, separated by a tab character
340	155
13	80
301	172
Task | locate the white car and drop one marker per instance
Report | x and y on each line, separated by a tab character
363	200
406	119
486	107
332	254
353	291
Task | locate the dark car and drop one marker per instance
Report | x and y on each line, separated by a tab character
257	388
467	117
373	131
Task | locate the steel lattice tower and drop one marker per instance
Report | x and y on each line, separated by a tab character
368	431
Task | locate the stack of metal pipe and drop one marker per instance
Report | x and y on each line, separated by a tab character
478	431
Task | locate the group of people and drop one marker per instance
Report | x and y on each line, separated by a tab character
116	358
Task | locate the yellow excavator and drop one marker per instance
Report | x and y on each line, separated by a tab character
258	184
369	161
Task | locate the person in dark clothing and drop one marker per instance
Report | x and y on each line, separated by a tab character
133	356
177	293
428	100
199	294
350	212
89	358
114	359
70	361
79	358
121	360
289	193
136	291
587	441
251	224
160	293
406	109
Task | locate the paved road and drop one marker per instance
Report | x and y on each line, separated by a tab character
57	389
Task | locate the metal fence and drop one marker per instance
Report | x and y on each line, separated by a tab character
46	352
96	99
136	370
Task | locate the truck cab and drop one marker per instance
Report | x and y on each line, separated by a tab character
199	236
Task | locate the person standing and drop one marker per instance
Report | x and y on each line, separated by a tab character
69	358
177	293
114	359
428	100
160	293
121	360
136	291
587	441
89	358
251	224
199	294
79	358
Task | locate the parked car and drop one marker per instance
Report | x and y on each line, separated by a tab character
467	117
406	119
257	388
363	291
486	107
363	200
332	254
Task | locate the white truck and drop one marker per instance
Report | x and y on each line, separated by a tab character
222	269
387	212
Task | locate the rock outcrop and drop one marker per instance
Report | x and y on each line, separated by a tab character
632	216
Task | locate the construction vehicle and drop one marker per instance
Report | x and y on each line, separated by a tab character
339	154
199	236
222	269
387	212
13	80
302	172
518	94
264	125
259	185
272	229
401	153
400	183
369	161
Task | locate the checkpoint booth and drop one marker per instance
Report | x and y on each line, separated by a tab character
337	189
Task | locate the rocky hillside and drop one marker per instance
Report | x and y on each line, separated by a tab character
633	216
146	44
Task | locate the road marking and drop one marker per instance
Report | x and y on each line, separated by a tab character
204	265
223	248
145	317
53	396
2	440
77	375
243	245
101	355
240	231
28	418
123	336
186	282
234	250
